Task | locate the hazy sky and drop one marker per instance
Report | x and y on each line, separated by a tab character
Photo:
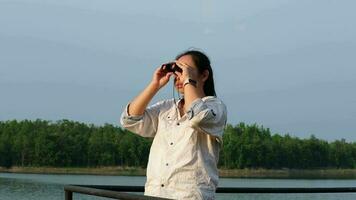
289	65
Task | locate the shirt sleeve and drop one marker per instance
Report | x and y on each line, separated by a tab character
144	125
208	116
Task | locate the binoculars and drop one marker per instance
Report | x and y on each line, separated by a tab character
171	67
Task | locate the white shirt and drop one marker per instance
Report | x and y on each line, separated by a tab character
185	150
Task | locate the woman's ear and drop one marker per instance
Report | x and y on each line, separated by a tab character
205	75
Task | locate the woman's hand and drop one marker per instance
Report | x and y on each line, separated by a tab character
187	72
160	78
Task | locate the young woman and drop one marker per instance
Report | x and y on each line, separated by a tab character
187	134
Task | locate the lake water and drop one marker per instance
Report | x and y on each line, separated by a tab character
40	187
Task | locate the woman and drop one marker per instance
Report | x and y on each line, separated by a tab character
187	134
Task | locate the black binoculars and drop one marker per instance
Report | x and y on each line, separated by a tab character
171	67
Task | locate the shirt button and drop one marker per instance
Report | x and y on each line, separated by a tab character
166	164
171	143
162	185
178	124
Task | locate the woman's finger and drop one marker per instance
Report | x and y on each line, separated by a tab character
177	73
159	69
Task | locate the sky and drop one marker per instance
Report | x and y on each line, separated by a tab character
288	65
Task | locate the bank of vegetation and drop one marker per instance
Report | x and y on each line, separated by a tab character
65	144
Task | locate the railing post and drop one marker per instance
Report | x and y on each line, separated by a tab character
68	195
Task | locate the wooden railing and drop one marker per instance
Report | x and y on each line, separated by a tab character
120	192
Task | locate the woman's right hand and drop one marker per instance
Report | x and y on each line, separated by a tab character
160	78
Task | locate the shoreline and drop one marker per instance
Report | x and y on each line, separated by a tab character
223	173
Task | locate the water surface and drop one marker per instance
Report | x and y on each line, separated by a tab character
43	186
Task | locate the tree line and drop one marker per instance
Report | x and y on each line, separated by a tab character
66	143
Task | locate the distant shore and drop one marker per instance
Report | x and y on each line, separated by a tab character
223	173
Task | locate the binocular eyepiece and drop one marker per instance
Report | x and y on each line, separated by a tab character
171	67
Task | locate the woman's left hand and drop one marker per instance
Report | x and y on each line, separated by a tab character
187	71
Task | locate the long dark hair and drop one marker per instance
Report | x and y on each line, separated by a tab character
202	62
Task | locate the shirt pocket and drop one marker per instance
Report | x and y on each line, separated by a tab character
165	121
191	176
185	176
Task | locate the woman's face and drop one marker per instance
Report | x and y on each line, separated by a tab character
187	59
